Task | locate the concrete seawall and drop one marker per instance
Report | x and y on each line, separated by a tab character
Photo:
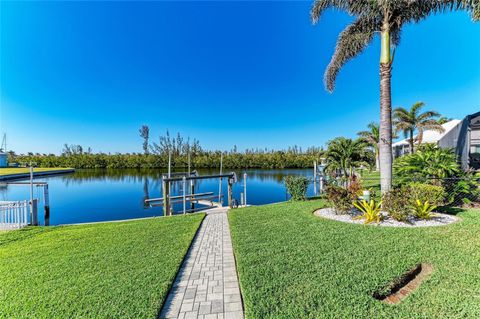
23	176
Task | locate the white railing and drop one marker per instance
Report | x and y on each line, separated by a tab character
13	215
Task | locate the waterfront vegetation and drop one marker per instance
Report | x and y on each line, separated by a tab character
105	270
290	158
297	187
292	264
25	170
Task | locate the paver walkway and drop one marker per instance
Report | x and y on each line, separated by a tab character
206	285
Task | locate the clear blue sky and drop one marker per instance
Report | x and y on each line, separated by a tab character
244	73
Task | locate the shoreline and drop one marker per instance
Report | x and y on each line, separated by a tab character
22	176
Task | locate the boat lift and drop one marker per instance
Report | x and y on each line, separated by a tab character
319	176
193	198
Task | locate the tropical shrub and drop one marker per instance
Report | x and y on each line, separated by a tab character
423	210
465	189
466	202
425	192
429	162
355	189
339	198
437	166
297	187
370	211
397	203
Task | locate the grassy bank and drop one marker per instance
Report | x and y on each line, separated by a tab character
26	170
295	265
371	180
108	270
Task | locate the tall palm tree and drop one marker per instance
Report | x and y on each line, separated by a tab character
386	17
372	139
412	120
343	155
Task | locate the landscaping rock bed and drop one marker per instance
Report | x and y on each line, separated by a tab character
438	220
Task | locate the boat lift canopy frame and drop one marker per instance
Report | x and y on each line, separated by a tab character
166	200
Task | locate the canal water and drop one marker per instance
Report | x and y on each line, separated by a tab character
103	195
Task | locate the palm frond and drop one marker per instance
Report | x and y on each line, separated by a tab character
416	108
355	7
401	115
428	115
352	41
431	125
472	6
370	15
401	110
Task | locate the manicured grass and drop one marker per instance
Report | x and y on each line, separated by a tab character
371	180
293	264
25	170
108	270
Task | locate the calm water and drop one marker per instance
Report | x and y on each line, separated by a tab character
101	195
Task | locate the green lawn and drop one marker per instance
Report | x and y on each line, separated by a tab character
107	270
24	170
371	180
293	264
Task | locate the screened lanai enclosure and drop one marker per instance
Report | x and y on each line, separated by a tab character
468	144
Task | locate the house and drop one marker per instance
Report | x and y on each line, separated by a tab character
468	142
447	139
461	135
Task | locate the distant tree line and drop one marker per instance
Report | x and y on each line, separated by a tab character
155	155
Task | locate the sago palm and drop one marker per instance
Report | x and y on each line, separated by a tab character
372	138
409	121
386	17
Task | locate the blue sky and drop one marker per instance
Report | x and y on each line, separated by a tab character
227	73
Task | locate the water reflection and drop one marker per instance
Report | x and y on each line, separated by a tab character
110	194
134	175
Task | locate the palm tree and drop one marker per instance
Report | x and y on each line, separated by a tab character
344	155
372	138
444	120
412	120
386	17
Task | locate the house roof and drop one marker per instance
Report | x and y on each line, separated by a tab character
430	136
474	120
400	143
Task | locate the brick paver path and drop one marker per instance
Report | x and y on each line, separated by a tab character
206	285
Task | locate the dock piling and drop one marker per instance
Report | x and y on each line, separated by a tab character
184	181
166	196
245	189
230	198
46	207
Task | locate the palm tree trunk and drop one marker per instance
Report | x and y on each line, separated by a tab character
420	136
410	141
377	161
385	111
